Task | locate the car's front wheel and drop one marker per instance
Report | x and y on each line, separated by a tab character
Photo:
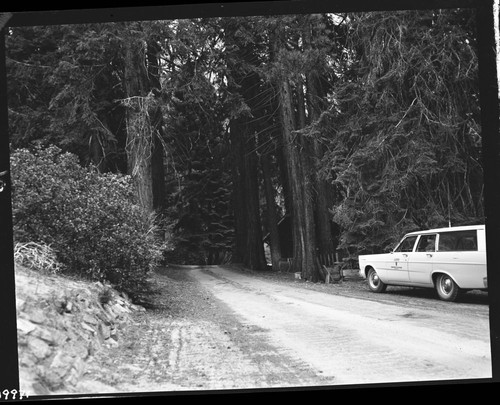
374	282
446	288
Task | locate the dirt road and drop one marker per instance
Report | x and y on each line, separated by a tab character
351	341
239	331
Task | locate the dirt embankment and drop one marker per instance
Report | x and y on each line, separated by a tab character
61	324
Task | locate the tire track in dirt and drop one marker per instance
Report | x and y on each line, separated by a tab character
172	349
197	339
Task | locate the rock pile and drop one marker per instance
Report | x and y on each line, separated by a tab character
61	323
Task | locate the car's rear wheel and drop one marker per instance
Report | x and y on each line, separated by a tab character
374	282
446	288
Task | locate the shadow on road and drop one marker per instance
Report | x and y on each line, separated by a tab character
470	297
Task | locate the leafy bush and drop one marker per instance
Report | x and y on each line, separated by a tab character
90	220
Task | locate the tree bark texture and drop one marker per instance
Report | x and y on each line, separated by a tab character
249	237
144	158
304	240
158	170
296	151
323	192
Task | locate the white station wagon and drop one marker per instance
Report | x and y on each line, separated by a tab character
448	259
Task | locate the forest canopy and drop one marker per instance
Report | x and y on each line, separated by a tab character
317	133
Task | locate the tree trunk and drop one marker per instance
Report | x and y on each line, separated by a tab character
144	153
295	155
249	238
272	218
158	168
139	134
304	240
255	257
323	192
239	209
285	181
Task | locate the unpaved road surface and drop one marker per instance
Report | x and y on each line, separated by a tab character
225	328
350	340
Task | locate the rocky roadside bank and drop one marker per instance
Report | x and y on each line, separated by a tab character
61	324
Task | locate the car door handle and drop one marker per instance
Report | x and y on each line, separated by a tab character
429	254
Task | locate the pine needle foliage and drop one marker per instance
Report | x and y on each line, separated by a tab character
403	135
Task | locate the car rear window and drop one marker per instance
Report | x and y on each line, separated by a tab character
458	241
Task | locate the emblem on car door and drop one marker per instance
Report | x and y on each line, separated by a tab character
396	267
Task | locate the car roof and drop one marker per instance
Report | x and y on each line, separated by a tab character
448	229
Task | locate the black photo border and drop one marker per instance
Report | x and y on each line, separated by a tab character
51	14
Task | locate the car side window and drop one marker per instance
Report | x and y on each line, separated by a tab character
427	243
406	244
460	241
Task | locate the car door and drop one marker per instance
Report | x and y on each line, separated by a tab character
458	255
421	260
397	264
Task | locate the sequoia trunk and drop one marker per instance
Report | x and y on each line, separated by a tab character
144	154
249	239
304	240
316	103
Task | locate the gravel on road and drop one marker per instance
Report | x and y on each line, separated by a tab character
191	341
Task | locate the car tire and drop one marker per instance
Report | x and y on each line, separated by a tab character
446	288
374	282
